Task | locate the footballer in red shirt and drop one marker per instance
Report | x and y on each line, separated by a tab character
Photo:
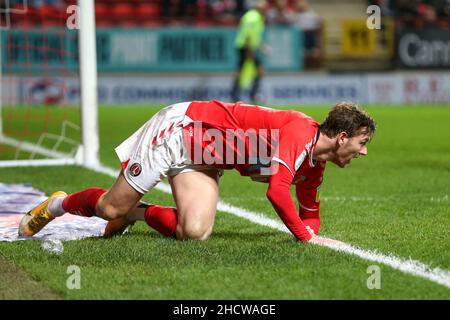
191	143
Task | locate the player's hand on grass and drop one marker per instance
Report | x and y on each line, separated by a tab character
324	241
310	230
321	240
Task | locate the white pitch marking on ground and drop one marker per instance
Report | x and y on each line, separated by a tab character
413	267
443	198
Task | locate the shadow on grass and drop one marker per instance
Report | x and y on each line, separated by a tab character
216	235
247	236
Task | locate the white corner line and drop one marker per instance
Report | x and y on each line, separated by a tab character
409	266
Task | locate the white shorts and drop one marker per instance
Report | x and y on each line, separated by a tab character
157	149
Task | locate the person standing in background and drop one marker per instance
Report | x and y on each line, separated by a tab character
249	43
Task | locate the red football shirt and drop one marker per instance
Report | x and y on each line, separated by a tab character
255	140
259	134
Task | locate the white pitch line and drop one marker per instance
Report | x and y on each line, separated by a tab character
442	198
413	267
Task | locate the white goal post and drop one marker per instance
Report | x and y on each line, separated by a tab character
86	153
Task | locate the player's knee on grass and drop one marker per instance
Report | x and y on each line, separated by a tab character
194	231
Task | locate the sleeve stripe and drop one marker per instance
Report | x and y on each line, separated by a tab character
283	163
300	160
306	208
306	151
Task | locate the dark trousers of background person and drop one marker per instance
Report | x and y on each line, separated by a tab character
236	90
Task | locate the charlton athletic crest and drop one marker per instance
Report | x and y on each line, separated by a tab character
135	169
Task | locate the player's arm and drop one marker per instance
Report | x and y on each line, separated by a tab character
279	195
309	209
307	193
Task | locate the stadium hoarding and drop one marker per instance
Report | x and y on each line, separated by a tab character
318	89
358	41
35	51
376	88
166	49
312	89
186	49
423	48
408	88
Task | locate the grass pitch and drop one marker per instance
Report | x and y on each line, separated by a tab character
396	200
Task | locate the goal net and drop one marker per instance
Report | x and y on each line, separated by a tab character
41	122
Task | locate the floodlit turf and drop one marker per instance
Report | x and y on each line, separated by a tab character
396	200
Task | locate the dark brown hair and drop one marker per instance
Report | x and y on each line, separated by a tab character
348	117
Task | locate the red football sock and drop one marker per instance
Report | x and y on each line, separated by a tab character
162	219
83	203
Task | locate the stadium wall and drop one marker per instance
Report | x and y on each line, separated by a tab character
301	88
